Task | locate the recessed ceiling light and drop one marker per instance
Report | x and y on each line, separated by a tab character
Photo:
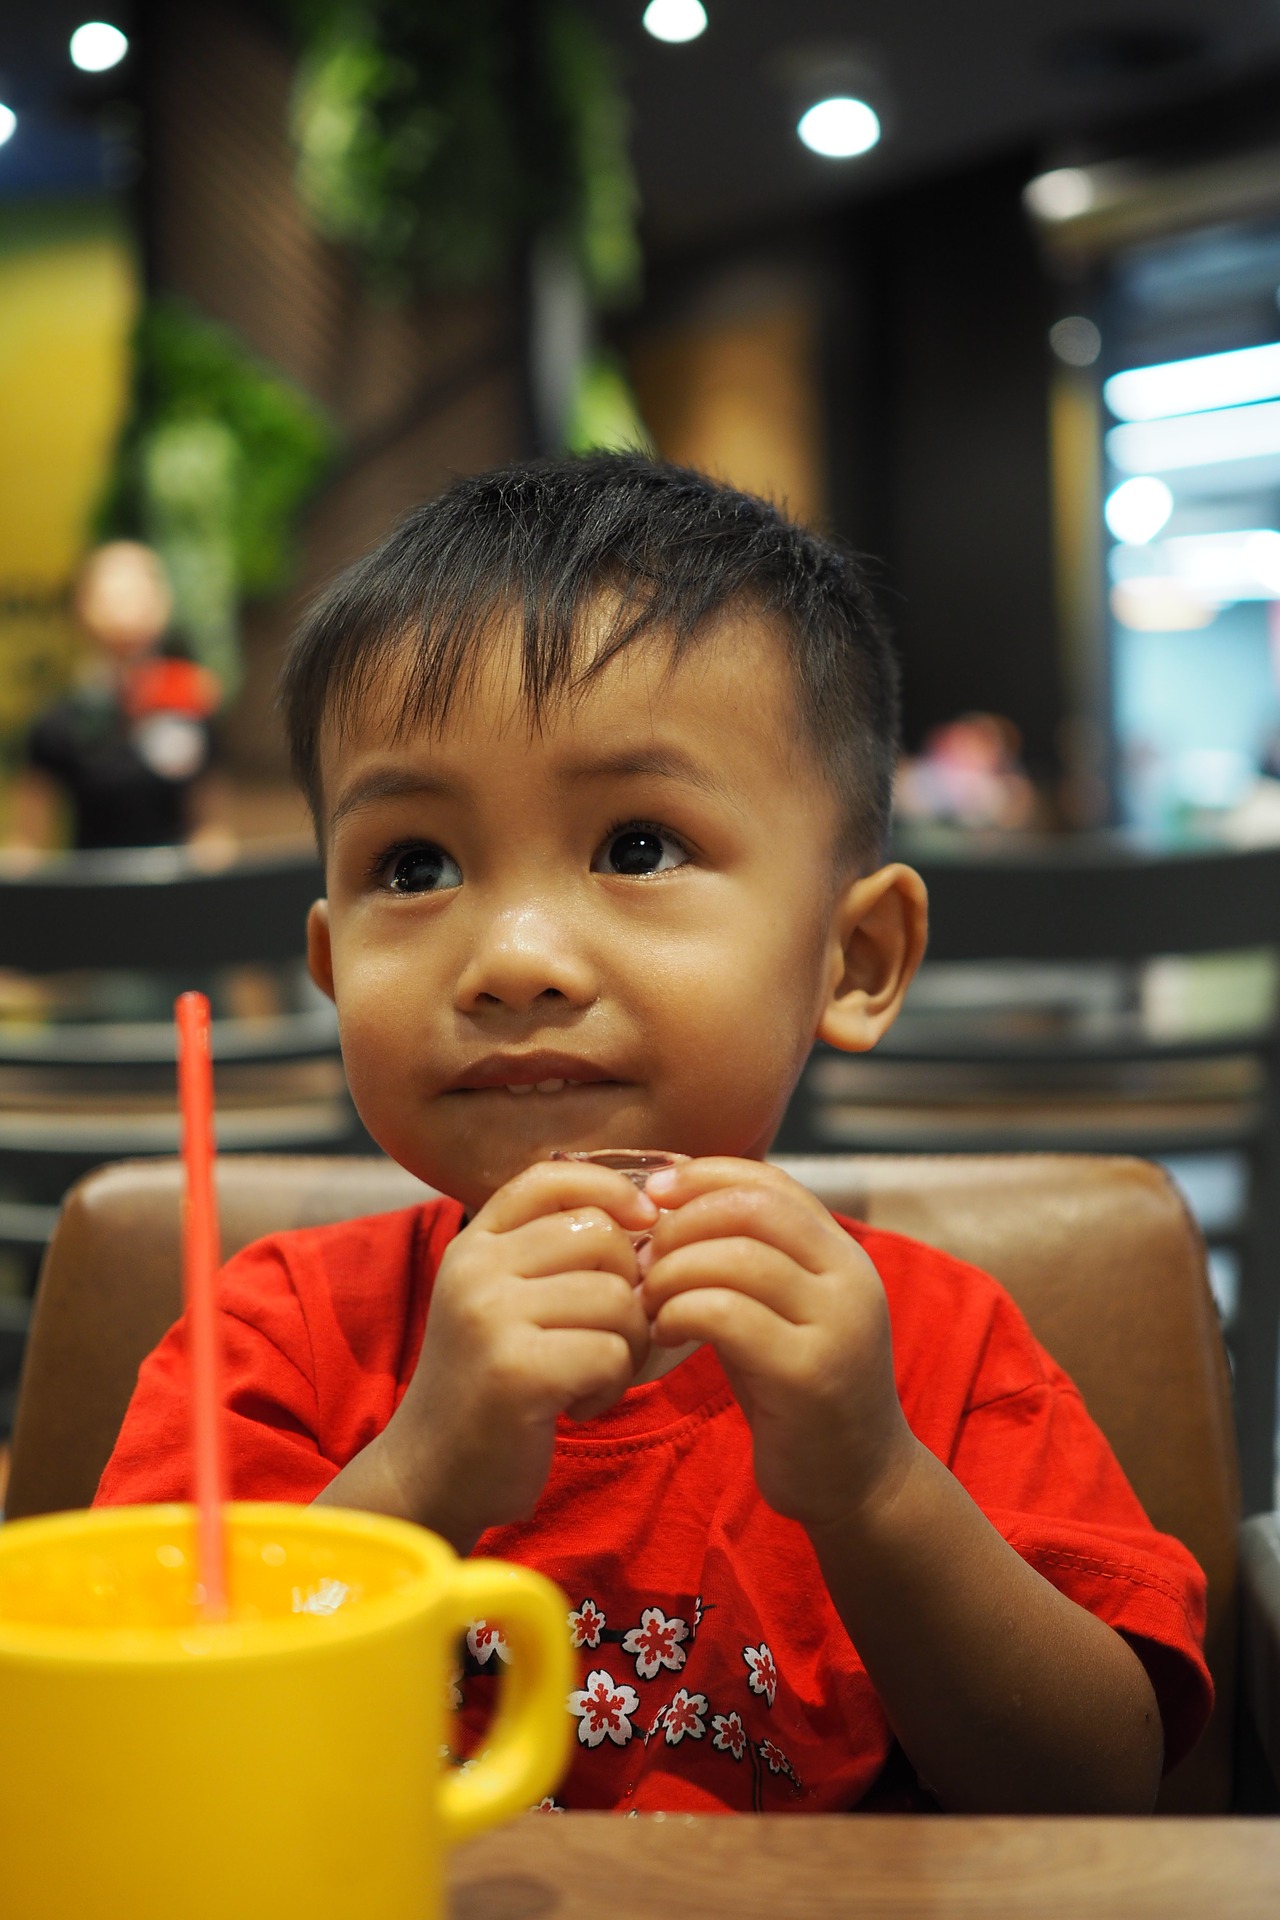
675	21
97	45
839	128
8	124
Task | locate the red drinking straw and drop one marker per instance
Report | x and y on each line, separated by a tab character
200	1261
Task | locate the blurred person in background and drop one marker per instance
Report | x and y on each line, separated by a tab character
130	748
969	774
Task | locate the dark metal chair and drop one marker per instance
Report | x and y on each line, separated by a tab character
74	1092
1043	1077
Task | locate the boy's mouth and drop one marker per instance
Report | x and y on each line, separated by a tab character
528	1073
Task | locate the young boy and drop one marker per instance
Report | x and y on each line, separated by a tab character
600	755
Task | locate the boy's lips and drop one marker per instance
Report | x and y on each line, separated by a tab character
525	1073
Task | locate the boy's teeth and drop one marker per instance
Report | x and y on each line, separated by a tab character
550	1086
524	1087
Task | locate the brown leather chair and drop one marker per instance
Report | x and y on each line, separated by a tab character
1099	1253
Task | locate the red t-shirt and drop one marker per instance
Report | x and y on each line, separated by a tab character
715	1671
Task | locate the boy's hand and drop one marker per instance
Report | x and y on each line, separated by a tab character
535	1312
748	1261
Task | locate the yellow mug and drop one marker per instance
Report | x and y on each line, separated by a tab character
286	1762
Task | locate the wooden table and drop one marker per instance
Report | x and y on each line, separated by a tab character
600	1866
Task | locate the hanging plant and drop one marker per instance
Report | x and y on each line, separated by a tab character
215	460
437	139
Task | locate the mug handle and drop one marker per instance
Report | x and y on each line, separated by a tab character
528	1746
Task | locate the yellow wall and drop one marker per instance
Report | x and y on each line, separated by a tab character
68	292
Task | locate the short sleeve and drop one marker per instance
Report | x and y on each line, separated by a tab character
1034	1460
269	1395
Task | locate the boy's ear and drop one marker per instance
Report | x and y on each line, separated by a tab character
878	933
319	950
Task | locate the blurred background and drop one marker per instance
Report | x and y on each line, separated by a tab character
990	292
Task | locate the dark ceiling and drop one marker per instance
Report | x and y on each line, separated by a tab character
714	140
953	80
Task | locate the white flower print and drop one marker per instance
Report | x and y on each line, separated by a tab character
729	1734
484	1641
604	1706
586	1624
764	1674
776	1761
549	1804
685	1716
656	1643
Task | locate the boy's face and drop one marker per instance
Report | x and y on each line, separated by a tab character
620	929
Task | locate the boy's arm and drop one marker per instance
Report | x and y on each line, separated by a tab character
1005	1694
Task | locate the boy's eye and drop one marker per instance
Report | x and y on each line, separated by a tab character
424	869
637	850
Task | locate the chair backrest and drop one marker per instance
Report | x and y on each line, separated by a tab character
156	908
1099	1254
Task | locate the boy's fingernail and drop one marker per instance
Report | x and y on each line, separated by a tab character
644	1257
662	1182
647	1208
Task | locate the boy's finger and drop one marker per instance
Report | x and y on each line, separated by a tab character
584	1370
580	1238
551	1186
746	1267
784	1217
744	1333
592	1303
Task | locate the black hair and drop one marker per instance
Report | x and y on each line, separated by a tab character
546	540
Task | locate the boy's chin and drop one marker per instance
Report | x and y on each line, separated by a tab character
474	1163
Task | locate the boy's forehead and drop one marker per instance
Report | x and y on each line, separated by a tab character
728	689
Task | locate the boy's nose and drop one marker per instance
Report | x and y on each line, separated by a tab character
520	957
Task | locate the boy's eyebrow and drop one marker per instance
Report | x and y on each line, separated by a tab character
390	783
667	762
399	783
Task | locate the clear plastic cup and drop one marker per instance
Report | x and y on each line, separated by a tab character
638	1163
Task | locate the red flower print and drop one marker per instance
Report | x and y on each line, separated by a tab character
684	1715
586	1624
764	1675
730	1734
484	1641
656	1643
603	1708
549	1804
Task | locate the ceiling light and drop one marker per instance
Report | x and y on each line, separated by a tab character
1075	340
675	21
96	46
1194	386
1060	195
8	124
839	128
1196	439
1138	509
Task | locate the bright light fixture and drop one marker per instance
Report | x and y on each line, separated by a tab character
1196	439
839	128
675	21
97	45
1195	386
1060	195
1138	509
8	124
